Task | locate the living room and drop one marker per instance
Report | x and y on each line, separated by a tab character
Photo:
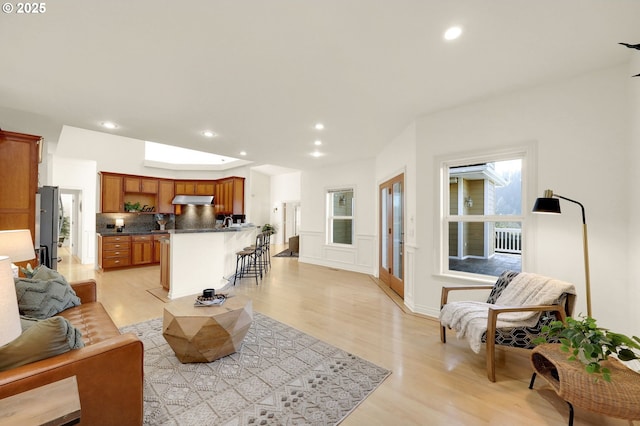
579	129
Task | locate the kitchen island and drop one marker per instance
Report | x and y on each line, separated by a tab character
205	258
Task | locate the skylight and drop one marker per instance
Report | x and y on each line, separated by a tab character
176	155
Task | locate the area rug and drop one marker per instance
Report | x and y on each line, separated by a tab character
280	376
287	253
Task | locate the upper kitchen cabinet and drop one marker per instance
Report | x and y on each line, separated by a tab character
205	187
194	187
112	197
229	196
183	187
140	185
19	157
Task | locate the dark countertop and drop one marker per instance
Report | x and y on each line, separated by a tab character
201	230
177	231
127	233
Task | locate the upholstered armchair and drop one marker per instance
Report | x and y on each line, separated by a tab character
504	322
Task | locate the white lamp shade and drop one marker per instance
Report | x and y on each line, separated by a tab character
119	223
17	244
10	327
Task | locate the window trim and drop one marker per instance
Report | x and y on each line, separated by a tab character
330	217
528	154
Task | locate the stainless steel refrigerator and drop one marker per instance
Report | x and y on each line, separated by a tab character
48	220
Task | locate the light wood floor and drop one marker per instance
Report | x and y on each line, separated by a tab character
430	384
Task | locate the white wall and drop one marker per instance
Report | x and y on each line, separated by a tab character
396	158
80	154
362	257
258	198
285	188
80	175
581	128
634	200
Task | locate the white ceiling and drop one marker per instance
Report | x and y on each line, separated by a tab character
261	73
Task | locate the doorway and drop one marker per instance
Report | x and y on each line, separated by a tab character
392	234
70	221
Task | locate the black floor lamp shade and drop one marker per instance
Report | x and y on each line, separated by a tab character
547	205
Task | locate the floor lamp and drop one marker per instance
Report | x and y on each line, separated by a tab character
548	204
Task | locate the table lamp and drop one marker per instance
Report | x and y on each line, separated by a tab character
549	203
9	314
17	245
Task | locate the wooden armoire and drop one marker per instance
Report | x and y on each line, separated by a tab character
19	158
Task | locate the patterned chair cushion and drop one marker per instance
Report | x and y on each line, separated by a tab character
519	337
503	281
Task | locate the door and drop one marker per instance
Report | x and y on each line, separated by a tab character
392	234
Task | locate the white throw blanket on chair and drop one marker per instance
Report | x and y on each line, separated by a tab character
469	319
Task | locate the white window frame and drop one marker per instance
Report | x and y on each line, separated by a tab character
528	154
331	217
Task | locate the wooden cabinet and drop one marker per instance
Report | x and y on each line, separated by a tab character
199	187
165	265
185	188
157	243
165	196
141	249
155	194
140	185
229	196
19	178
112	198
114	251
205	188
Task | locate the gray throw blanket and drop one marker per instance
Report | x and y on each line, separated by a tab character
469	318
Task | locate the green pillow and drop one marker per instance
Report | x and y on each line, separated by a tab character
40	340
45	294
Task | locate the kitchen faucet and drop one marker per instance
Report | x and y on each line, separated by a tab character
225	224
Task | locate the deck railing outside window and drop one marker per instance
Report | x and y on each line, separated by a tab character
508	240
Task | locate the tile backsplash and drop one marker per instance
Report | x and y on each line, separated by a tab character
133	222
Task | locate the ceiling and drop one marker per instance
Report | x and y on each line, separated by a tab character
261	73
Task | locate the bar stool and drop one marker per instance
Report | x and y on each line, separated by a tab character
257	257
267	249
244	259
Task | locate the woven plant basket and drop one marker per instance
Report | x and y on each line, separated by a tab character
619	398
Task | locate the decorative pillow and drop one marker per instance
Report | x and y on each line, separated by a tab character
40	340
44	295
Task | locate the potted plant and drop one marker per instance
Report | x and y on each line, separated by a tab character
267	227
131	207
64	231
584	341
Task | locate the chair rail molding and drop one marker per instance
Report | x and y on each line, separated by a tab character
360	257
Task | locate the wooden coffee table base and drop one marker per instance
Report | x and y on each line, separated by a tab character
204	334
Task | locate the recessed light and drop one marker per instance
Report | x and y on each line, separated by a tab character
243	152
452	33
319	126
317	142
109	125
208	133
316	154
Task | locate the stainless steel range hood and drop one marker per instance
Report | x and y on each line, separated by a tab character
198	200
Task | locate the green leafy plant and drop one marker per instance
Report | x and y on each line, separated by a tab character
131	207
267	227
584	341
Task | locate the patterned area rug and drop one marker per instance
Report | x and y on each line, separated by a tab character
287	253
280	376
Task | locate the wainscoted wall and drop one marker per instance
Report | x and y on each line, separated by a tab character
361	257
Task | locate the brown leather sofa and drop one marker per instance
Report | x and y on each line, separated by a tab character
108	369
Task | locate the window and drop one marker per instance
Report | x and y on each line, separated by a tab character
482	214
340	216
